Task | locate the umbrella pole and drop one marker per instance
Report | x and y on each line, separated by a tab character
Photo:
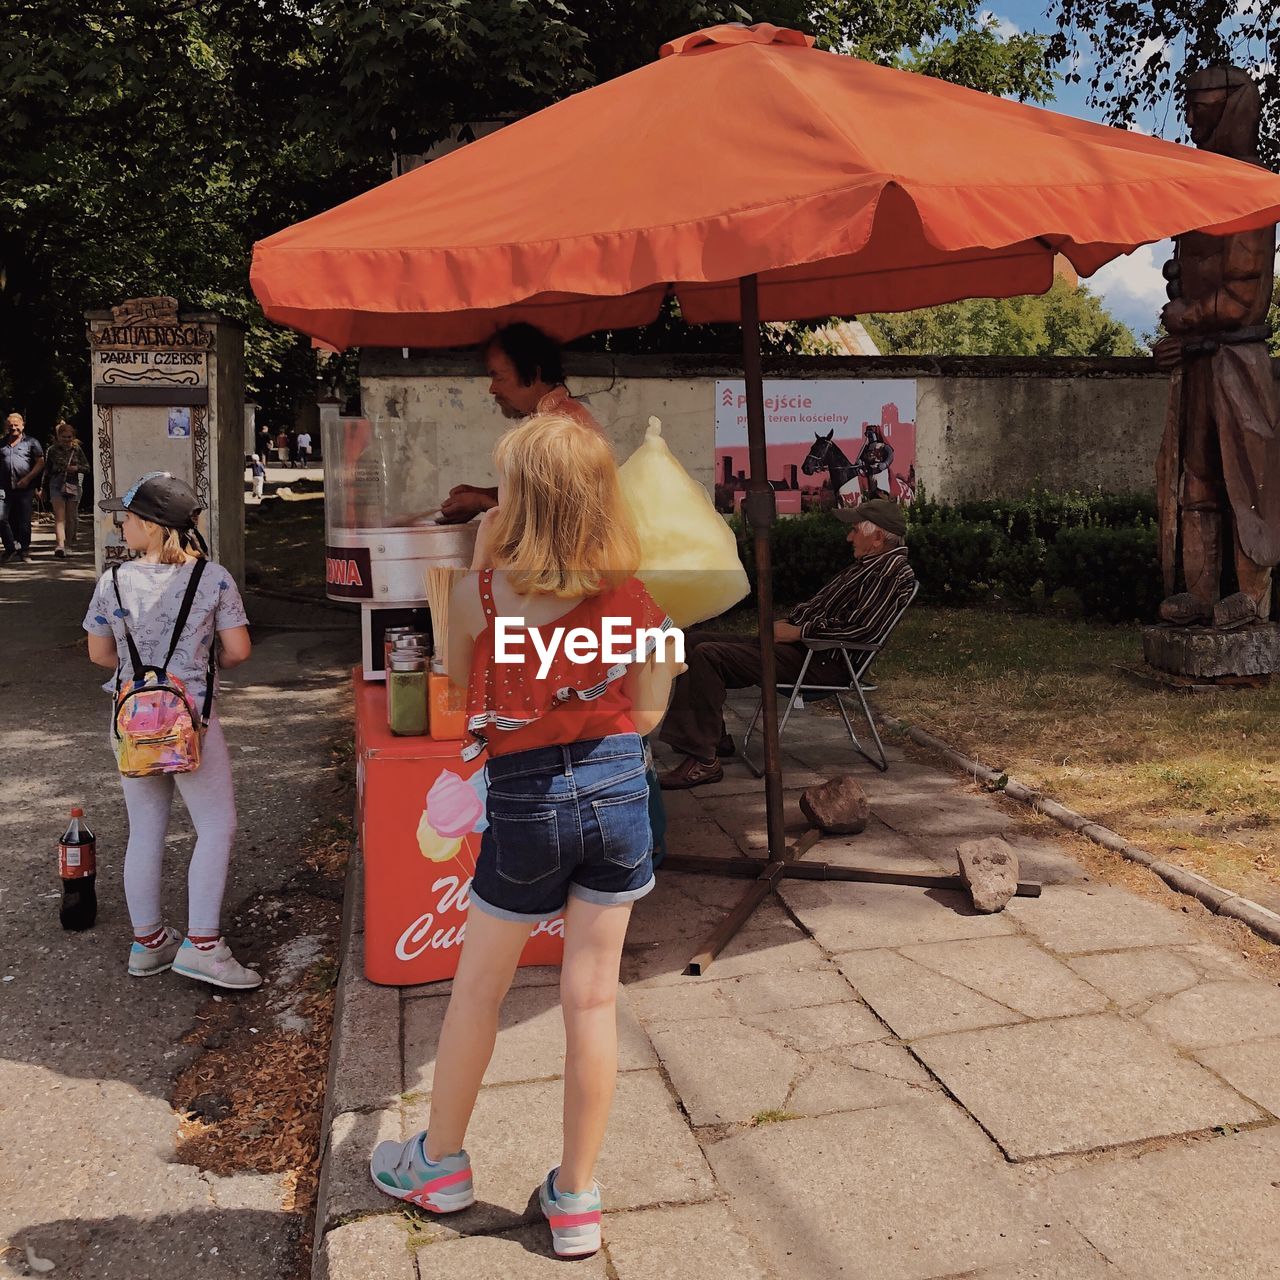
761	512
761	509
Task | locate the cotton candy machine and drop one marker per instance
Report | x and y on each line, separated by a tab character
382	494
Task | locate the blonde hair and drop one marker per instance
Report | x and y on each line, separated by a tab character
177	546
563	528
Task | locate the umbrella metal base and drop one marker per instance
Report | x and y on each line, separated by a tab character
769	873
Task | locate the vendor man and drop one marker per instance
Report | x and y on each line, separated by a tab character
526	376
854	606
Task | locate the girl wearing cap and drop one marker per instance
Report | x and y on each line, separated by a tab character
159	527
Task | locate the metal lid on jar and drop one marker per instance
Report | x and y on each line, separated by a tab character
408	659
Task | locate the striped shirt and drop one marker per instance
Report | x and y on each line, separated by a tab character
857	605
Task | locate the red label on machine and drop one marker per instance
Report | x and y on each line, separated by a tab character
348	572
77	860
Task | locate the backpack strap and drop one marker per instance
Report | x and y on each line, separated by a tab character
184	612
184	609
213	675
140	668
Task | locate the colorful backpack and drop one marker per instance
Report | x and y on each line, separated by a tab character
156	729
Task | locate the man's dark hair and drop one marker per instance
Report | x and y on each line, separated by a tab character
533	353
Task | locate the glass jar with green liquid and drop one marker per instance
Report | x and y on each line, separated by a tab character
407	692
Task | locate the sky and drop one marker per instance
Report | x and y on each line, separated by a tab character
1132	286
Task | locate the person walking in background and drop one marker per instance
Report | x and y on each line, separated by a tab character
282	447
264	445
66	466
568	807
140	600
259	474
21	464
304	448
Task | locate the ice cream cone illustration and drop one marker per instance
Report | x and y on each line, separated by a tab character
435	847
452	811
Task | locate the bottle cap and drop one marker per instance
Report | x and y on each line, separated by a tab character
77	813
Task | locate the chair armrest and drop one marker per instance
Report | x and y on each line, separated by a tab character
823	646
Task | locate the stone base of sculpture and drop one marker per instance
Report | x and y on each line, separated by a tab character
1208	654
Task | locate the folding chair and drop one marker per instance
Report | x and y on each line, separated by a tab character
857	660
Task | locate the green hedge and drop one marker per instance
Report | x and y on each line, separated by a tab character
1091	553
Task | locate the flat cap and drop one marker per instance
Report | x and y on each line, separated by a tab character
884	512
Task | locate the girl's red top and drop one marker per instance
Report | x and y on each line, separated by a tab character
509	708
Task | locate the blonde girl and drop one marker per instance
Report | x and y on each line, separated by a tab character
158	522
567	808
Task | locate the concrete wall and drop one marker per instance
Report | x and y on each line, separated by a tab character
983	426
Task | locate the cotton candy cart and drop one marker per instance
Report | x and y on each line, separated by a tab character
420	814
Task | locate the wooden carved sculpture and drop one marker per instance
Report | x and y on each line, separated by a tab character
1218	473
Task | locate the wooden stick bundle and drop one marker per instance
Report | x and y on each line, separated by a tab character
440	580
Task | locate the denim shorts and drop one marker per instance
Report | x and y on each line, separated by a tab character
569	820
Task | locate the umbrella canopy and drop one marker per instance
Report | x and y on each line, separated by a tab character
843	186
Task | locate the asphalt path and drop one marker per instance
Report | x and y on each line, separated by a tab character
88	1171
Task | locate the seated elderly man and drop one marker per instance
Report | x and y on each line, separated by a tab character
854	606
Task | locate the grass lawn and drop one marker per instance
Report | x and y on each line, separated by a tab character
1192	777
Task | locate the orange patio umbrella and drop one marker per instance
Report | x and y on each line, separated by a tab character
842	186
755	178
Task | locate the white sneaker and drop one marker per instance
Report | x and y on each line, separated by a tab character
574	1218
144	961
218	967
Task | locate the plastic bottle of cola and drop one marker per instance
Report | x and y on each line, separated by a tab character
78	867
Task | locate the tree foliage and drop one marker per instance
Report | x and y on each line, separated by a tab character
951	39
1137	55
412	68
148	143
1066	321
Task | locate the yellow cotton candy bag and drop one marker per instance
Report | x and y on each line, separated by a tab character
688	557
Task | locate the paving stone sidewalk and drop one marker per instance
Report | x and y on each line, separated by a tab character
871	1082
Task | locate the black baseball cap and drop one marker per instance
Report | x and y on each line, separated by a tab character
884	512
161	498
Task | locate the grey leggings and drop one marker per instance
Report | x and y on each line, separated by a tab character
211	803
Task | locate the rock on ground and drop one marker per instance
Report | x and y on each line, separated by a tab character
839	807
990	868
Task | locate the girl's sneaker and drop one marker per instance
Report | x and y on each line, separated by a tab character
218	967
574	1218
402	1170
144	961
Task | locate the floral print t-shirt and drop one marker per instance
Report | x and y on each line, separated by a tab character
152	595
